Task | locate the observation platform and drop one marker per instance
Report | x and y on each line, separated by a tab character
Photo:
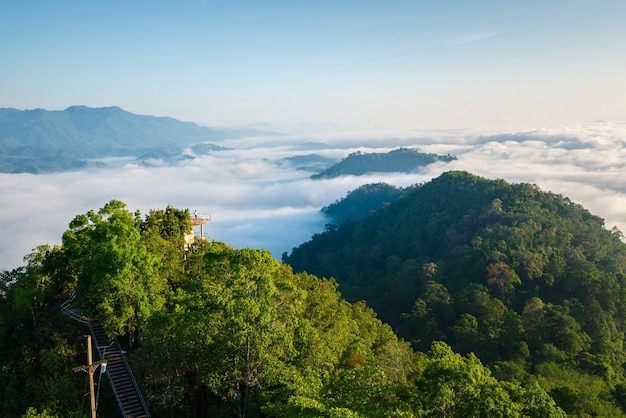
197	219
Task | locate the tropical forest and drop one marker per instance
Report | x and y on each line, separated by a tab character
458	297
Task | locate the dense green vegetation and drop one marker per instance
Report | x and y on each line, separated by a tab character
404	160
215	331
530	282
38	141
363	201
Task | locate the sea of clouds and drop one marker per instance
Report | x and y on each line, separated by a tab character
256	200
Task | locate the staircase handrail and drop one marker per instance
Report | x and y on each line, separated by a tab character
65	308
132	378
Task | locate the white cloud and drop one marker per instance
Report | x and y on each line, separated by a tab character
257	203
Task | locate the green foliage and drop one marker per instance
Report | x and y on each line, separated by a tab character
33	413
579	394
226	332
163	233
118	280
114	260
362	201
518	276
37	361
450	385
248	330
400	160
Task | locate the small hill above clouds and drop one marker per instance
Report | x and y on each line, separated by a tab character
401	160
363	201
39	141
309	162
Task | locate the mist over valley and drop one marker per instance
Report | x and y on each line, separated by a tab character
259	192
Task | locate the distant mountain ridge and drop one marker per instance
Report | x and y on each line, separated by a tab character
39	140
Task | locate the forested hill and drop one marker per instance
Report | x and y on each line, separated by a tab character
212	331
401	160
362	201
528	280
41	141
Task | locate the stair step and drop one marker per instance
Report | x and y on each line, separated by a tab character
129	398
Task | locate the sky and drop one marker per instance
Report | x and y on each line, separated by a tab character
378	64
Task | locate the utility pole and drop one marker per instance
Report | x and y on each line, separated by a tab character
90	368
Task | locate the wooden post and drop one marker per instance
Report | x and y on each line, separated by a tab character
90	368
92	395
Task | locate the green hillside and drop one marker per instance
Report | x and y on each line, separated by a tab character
212	331
401	160
529	281
362	202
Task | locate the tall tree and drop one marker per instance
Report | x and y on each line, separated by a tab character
118	279
163	232
454	386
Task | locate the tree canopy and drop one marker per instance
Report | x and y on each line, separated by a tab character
518	276
225	332
362	202
117	277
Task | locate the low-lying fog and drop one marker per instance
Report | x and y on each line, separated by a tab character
257	201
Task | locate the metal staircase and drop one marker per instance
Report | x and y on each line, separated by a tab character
125	389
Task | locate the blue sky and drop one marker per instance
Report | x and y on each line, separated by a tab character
393	64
